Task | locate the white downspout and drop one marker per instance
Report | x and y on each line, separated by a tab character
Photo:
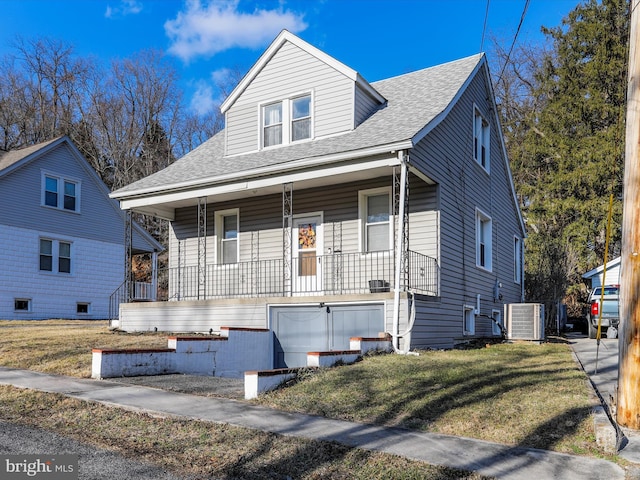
399	251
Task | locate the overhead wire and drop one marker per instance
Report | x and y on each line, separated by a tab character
515	37
484	27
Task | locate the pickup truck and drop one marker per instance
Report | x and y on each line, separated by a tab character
609	308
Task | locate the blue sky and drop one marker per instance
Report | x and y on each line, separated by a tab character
208	38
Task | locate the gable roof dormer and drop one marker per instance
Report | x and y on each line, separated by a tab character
291	82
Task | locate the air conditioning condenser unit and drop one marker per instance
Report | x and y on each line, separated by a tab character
524	321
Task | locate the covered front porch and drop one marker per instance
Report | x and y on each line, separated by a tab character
333	274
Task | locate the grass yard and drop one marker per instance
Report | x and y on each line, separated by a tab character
516	394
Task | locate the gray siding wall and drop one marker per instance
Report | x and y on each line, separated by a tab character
291	71
99	217
446	154
260	233
364	105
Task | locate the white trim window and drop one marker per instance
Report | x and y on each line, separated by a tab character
272	124
227	231
481	140
22	305
484	240
61	193
55	256
83	308
517	260
287	121
375	212
301	118
468	320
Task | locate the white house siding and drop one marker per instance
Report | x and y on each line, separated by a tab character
97	270
447	155
291	71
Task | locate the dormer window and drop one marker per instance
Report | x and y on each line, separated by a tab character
301	118
272	133
286	121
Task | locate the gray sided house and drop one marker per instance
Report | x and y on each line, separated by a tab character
330	207
63	238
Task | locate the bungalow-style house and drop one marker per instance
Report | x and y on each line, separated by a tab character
331	207
63	238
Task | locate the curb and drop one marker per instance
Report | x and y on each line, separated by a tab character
609	436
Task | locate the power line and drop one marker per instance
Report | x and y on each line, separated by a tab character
484	27
524	13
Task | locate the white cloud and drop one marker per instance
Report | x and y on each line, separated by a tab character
206	28
125	7
202	101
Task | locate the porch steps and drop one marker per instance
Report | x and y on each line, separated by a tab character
236	353
260	381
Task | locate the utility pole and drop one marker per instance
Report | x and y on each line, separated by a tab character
628	405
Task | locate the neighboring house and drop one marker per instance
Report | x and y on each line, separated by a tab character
63	247
330	207
612	274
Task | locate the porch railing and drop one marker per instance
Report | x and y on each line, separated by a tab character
141	291
336	274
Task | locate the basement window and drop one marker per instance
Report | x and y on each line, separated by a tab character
22	304
82	308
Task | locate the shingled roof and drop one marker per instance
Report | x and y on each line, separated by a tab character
415	103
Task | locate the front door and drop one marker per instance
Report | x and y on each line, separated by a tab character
307	252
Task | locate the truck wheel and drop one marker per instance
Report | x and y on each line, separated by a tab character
593	331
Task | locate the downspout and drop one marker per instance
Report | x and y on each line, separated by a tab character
399	250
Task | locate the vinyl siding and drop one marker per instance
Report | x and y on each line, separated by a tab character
290	72
261	222
97	269
364	105
99	217
446	154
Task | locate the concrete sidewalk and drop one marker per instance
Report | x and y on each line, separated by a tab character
486	458
600	363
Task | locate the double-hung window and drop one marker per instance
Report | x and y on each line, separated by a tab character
375	208
286	121
61	193
301	118
272	120
227	231
484	238
481	140
55	256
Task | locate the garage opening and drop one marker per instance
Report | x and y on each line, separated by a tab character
316	328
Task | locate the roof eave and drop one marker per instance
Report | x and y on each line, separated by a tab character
263	171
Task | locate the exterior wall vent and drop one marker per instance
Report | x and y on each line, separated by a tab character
524	321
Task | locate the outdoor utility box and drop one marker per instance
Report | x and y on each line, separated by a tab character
524	321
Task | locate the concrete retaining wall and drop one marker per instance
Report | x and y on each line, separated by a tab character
229	355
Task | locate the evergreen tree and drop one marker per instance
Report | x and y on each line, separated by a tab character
566	144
